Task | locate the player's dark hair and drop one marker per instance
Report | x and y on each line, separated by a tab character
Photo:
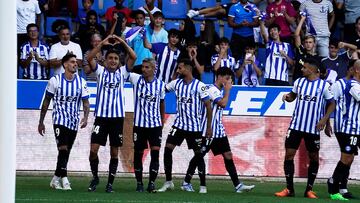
186	62
30	26
67	57
112	51
222	71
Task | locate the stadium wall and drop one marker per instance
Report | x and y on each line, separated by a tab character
256	123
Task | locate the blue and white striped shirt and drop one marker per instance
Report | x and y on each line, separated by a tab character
217	126
351	117
276	66
166	61
338	89
229	62
35	70
147	97
110	100
190	99
66	97
310	104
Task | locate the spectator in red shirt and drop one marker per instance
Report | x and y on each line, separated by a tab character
282	13
109	15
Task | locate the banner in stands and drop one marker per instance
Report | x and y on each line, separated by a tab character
249	101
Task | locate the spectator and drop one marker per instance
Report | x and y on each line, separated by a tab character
157	32
81	17
207	40
247	69
241	19
149	8
282	13
28	11
279	57
321	18
60	49
352	11
191	52
99	57
336	64
220	11
222	58
166	55
118	8
137	43
187	30
355	39
303	51
91	27
122	29
34	57
62	8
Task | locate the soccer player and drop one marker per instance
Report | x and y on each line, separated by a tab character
149	112
348	134
109	110
219	94
166	55
191	95
66	90
279	56
308	119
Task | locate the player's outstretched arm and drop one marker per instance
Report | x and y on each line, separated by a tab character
44	108
91	56
131	53
86	107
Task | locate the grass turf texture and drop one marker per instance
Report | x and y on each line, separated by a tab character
36	189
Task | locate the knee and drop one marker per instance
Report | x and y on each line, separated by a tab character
63	148
347	159
228	156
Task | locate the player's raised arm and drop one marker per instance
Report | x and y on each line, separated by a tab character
92	55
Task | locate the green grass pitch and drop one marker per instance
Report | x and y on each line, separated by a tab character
37	190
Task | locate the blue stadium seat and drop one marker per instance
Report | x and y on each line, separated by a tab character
261	57
169	24
227	31
175	9
198	23
225	1
110	3
203	3
207	77
51	20
138	3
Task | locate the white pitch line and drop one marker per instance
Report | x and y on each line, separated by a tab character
95	200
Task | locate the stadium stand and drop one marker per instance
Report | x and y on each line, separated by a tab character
174	9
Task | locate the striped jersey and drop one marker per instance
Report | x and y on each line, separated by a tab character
216	123
110	92
66	97
310	104
338	89
190	99
229	62
35	70
166	61
351	117
147	97
276	66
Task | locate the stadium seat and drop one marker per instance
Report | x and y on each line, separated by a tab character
51	20
227	31
203	4
175	9
207	77
169	24
138	3
261	56
109	3
225	1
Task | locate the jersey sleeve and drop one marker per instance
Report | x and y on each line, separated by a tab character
355	91
99	69
125	72
157	48
295	88
232	11
51	87
328	94
214	94
134	78
336	90
85	94
203	93
170	87
162	91
78	52
53	51
23	54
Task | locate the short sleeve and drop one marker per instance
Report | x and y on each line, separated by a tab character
53	51
202	89
336	90
214	58
214	94
162	91
85	94
78	52
232	11
331	8
291	52
134	78
355	91
99	69
23	53
328	94
37	7
295	88
170	87
51	87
